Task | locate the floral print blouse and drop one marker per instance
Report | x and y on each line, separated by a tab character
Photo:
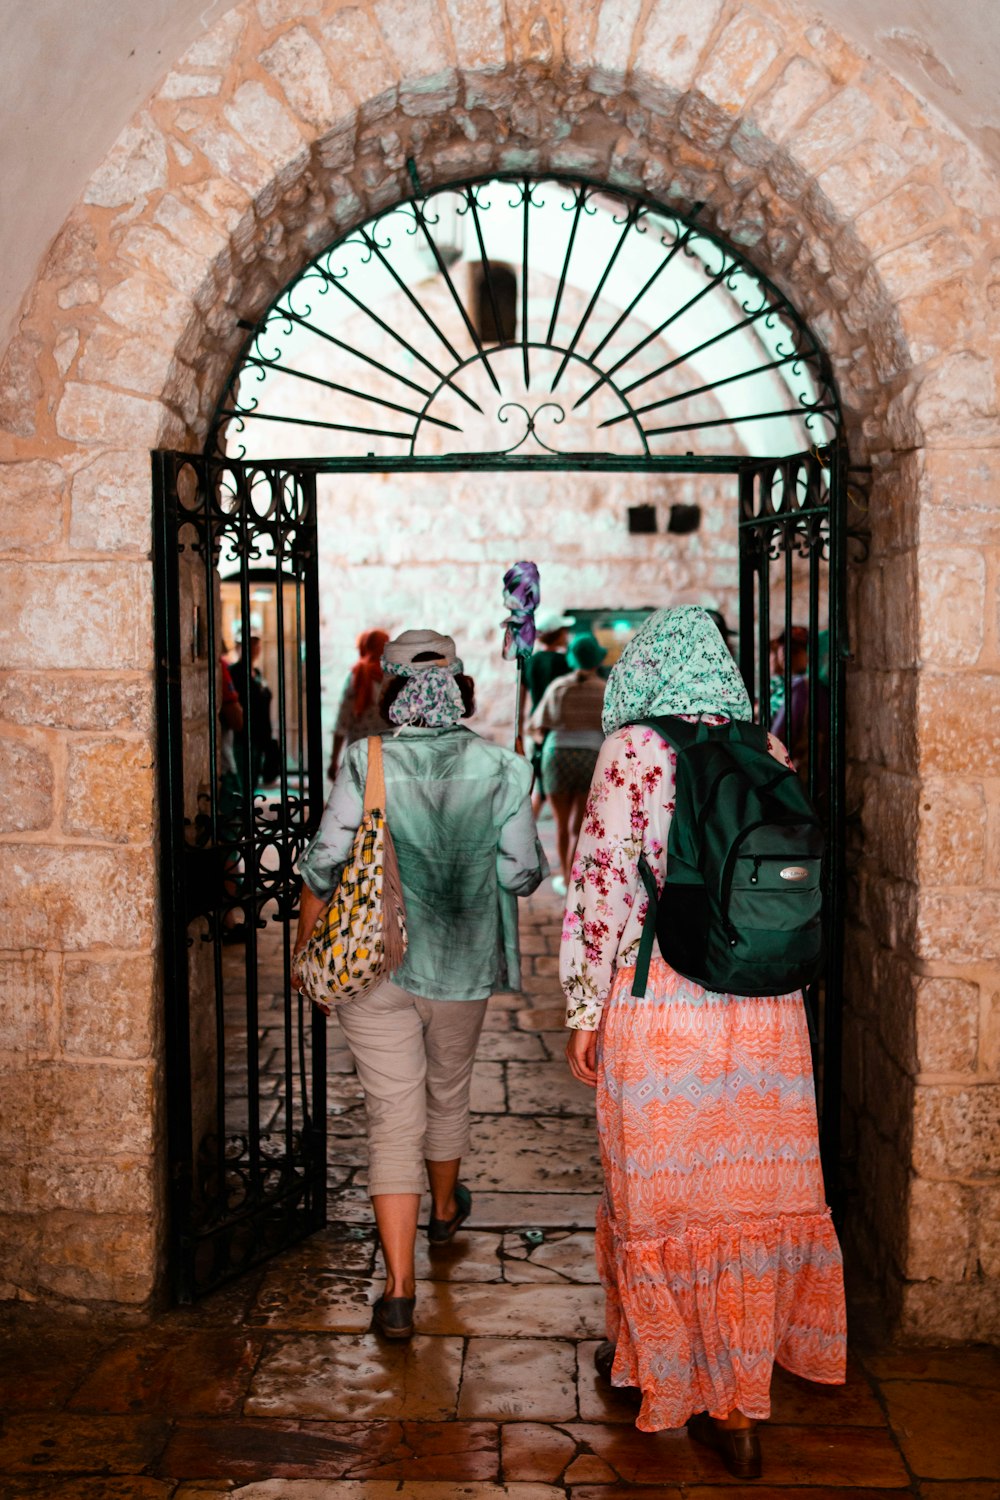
628	813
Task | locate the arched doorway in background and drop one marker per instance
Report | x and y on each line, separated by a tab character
523	326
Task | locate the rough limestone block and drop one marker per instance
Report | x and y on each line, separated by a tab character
613	43
108	626
297	62
110	510
923	263
414	36
20	384
98	1257
27	783
958	722
959	926
190	85
956	1130
108	1005
48	897
99	1186
833	129
357	54
940	1231
901	216
890	820
957	496
951	847
988	1236
864	175
31	505
477	29
143	305
95	414
135	165
888	1096
738	60
957	401
951	1311
230	156
216	48
151	249
935	321
74	1109
673	41
947	1016
258	118
799	89
28	989
64	700
138	365
109	790
989	1043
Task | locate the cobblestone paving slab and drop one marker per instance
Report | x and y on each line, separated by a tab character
185	1374
337	1376
254	1450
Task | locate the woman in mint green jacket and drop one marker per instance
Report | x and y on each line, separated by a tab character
460	816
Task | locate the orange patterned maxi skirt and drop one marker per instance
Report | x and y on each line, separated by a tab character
714	1242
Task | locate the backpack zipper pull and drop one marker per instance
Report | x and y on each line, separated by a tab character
755	877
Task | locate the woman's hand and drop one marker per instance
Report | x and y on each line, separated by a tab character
581	1054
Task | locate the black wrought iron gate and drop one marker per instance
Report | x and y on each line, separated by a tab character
509	325
246	1066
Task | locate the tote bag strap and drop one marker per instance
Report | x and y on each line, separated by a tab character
375	779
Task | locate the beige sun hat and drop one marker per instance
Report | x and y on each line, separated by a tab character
402	651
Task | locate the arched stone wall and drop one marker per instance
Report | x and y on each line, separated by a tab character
292	120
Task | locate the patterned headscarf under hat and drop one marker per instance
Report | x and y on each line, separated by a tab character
431	697
677	663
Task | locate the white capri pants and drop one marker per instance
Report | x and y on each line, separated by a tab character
414	1061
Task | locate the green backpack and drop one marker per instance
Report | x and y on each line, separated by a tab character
740	912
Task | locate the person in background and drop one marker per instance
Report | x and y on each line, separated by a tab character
358	715
567	722
790	716
715	1246
459	811
253	740
546	664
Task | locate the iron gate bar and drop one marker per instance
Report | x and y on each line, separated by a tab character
578	208
393	333
289	315
418	214
259	363
678	245
627	228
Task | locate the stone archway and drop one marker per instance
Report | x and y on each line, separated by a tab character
275	131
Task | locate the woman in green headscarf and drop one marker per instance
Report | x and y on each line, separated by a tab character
714	1242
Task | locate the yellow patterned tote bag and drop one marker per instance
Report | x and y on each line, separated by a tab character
361	937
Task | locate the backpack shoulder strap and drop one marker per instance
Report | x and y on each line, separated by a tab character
678	733
648	930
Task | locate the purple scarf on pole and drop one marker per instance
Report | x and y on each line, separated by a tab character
521	593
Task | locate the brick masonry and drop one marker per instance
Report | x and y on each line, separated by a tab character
280	129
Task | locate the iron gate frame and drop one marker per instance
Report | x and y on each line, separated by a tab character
810	516
825	1018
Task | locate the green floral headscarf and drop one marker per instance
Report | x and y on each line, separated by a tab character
677	663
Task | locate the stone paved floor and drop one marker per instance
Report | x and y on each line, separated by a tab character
274	1387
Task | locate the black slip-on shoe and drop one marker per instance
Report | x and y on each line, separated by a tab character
440	1231
738	1447
392	1317
604	1358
